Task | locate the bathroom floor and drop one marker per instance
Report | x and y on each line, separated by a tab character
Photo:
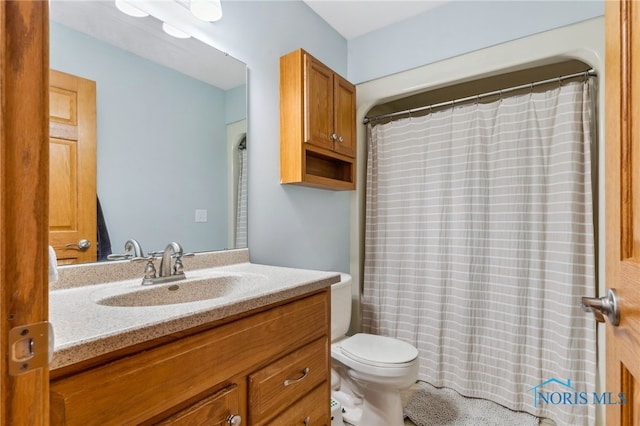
406	395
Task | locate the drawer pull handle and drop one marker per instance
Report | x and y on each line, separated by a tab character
307	420
292	381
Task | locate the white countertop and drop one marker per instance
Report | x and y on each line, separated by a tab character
84	329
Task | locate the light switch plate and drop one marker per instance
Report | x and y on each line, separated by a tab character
201	215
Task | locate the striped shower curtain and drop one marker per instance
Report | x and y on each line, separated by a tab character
241	208
479	244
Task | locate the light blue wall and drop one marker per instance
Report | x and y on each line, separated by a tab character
161	140
456	28
235	101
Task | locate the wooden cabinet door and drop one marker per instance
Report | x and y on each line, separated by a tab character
344	116
330	105
318	101
219	409
72	167
623	206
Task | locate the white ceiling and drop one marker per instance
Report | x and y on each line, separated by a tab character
353	18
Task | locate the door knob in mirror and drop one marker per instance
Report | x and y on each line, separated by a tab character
81	245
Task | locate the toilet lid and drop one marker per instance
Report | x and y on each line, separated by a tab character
378	350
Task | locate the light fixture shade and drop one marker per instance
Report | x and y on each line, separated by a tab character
173	31
207	10
128	8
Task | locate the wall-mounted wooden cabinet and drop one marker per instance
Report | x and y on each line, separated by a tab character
317	124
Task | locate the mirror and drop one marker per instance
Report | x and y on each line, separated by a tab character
171	121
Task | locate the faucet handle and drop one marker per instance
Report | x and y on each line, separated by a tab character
142	259
117	256
178	266
149	270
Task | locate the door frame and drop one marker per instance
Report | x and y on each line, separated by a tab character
24	199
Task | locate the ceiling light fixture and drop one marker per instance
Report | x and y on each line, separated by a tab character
126	7
173	31
207	10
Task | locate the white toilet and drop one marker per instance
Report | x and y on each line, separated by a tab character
368	372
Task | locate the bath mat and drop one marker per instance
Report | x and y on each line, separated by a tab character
431	406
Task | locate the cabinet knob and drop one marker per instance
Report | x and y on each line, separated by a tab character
234	420
333	137
340	139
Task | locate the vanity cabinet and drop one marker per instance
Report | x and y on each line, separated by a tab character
317	124
269	367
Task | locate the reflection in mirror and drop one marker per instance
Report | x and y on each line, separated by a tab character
171	128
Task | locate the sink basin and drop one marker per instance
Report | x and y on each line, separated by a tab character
176	292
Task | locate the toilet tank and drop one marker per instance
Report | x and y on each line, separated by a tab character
340	307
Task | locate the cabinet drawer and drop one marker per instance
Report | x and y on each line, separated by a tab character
215	410
288	379
312	410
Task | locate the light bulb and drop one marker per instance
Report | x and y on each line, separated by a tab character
207	10
129	9
173	31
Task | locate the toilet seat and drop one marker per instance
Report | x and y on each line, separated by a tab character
378	351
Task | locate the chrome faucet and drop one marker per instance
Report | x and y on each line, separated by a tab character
165	264
134	245
167	272
132	249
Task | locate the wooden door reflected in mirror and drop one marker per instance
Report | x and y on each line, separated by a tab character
72	168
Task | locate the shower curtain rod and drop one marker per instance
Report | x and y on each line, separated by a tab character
587	73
